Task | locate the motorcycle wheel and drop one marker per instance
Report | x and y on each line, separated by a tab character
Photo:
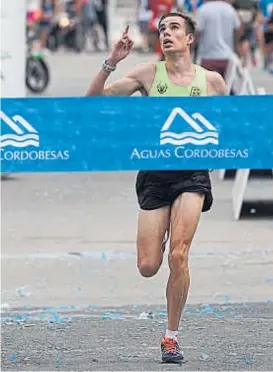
37	75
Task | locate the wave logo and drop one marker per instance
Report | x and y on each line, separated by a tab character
203	132
23	133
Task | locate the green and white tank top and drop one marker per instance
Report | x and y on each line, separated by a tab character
163	86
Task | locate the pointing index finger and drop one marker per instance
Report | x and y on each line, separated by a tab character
126	30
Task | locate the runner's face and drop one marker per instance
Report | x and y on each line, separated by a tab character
172	35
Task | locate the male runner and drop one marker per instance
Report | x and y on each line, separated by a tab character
168	199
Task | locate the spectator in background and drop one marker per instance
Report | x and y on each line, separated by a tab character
33	11
90	22
101	7
143	16
247	11
33	19
79	4
48	8
158	8
218	32
265	32
190	7
269	41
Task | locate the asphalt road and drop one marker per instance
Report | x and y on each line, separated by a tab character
72	298
215	338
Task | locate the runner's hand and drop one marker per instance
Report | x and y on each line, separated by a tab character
121	48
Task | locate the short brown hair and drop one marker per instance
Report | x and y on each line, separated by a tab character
189	23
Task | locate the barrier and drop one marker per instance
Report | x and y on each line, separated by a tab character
136	133
238	80
230	174
238	194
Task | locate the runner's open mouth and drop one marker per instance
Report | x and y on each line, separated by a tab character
167	42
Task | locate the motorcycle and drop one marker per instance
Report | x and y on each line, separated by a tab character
37	70
67	29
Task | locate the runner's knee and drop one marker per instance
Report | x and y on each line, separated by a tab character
149	260
179	257
148	268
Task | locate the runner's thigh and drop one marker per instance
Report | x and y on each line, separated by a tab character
152	226
185	215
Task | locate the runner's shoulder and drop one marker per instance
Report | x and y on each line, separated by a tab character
215	82
143	71
213	76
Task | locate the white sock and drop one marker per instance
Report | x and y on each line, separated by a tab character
171	334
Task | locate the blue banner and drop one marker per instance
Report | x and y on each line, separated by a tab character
136	133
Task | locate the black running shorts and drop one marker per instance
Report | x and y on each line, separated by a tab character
158	189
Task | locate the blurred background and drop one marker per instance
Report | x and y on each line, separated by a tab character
90	27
